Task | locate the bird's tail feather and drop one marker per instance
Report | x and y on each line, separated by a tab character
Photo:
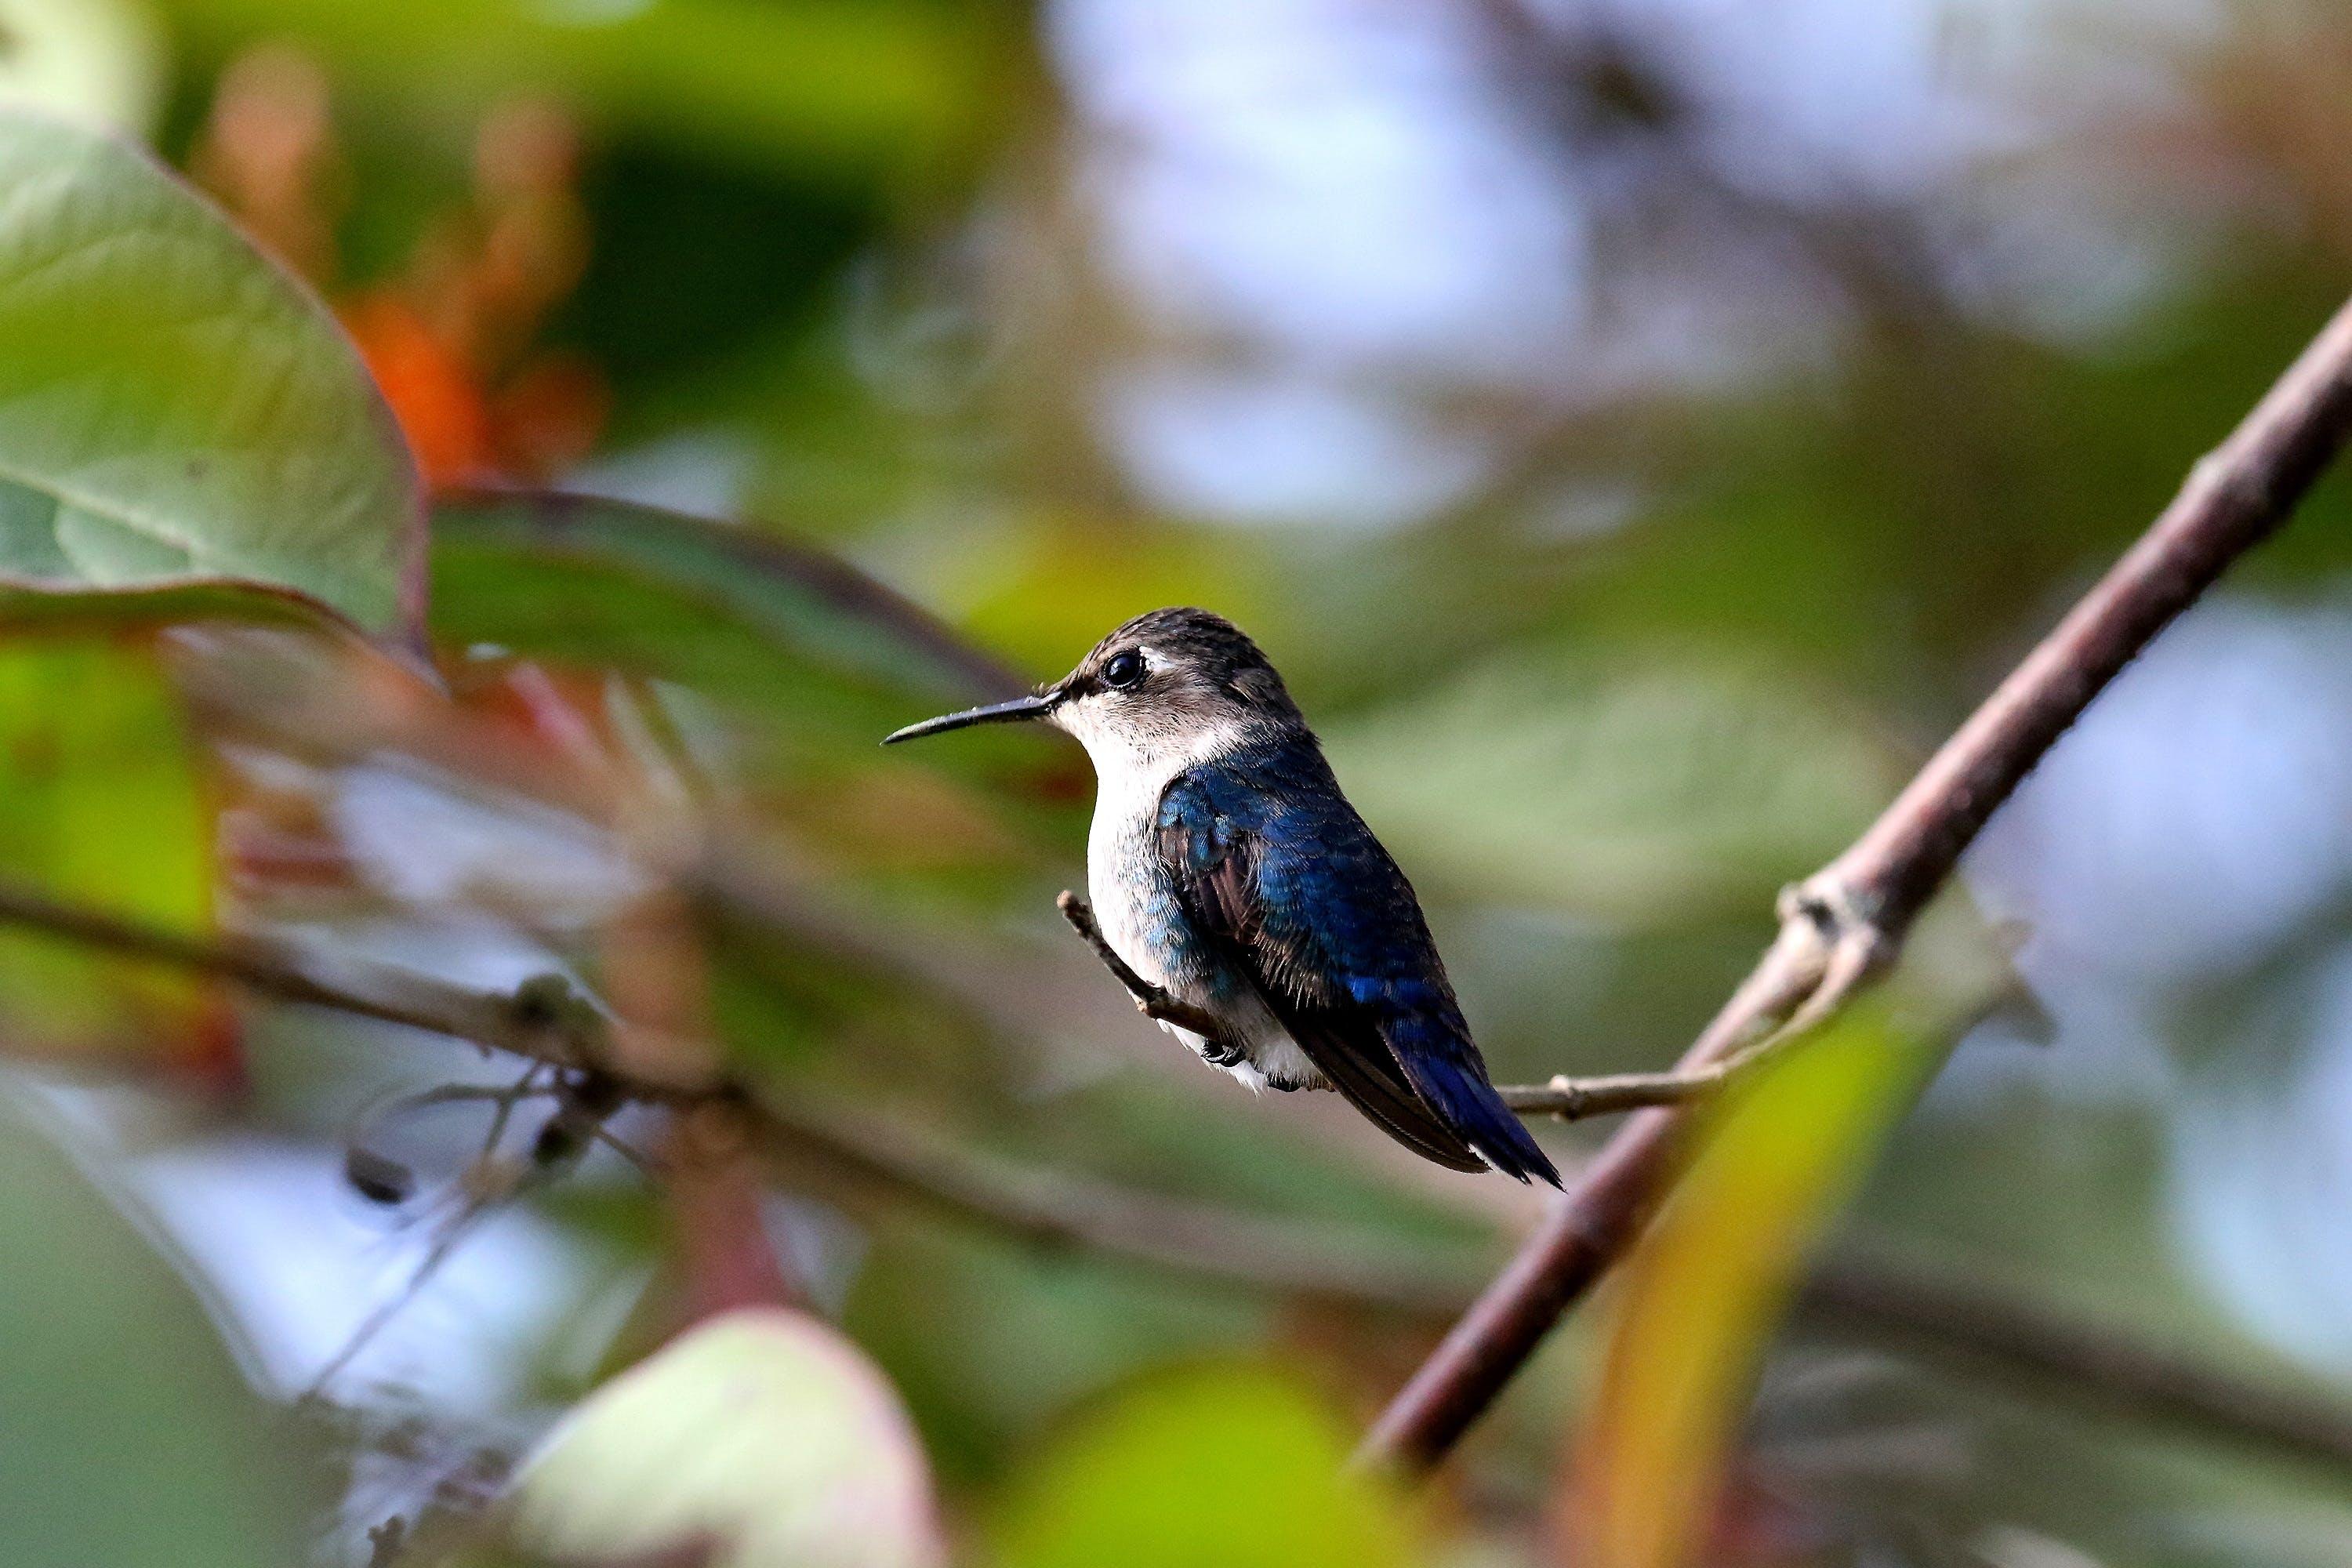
1460	1094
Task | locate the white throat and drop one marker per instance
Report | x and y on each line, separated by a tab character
1132	761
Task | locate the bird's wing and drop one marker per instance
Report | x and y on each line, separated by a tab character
1297	895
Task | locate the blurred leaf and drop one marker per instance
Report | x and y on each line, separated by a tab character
175	413
708	603
1703	1292
126	1437
764	1432
94	60
991	1340
105	808
827	84
1638	791
1230	1465
812	661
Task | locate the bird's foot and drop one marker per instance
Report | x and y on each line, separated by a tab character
1223	1052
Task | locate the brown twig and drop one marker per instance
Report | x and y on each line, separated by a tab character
1846	921
569	1032
1571	1098
859	1159
1567	1099
544	1019
514	1023
2095	1364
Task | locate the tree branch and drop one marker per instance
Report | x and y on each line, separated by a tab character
1843	924
859	1160
1566	1099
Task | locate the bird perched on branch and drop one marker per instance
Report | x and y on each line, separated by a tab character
1229	872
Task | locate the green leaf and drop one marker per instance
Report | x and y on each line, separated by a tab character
100	61
126	1435
726	608
106	811
1235	1466
1703	1290
175	413
809	662
764	1432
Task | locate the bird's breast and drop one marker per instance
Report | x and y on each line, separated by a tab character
1142	914
1134	897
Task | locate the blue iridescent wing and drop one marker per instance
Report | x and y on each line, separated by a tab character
1278	872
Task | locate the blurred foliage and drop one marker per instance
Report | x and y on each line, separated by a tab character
107	809
130	1437
1701	1293
802	83
98	60
1234	1465
762	1429
1637	438
173	415
1632	795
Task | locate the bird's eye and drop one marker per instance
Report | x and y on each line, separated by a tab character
1123	670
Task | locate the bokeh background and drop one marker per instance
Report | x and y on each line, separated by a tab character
1638	430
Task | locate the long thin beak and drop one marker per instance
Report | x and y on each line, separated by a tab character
1019	708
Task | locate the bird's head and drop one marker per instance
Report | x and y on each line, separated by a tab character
1174	684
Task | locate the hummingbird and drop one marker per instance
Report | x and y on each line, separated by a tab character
1225	867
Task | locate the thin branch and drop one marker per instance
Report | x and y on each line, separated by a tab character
1566	1099
249	965
1201	1243
1572	1098
2050	1353
453	1232
542	1020
859	1160
486	1185
1846	923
